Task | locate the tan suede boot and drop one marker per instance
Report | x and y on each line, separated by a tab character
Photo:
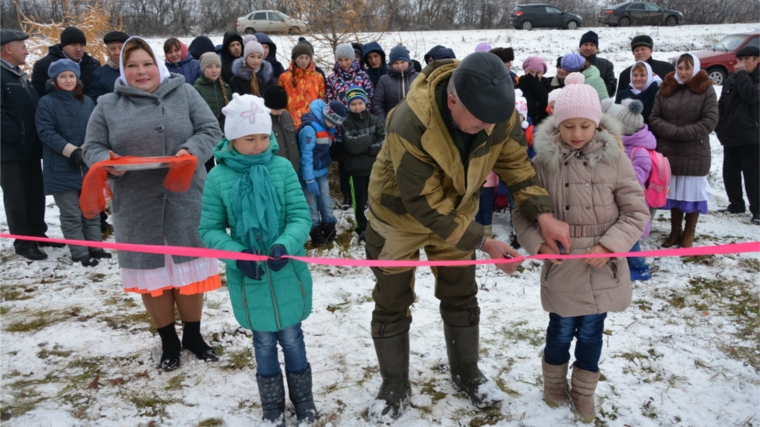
555	384
691	227
584	384
676	218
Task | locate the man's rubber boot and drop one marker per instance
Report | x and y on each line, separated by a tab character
396	390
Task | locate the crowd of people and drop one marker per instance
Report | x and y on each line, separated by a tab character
583	159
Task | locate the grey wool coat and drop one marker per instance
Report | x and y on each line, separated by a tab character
132	122
594	189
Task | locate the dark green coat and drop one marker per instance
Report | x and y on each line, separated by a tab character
211	92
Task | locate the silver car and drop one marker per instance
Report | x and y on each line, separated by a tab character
269	21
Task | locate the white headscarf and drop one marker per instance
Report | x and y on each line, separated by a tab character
651	78
163	72
694	72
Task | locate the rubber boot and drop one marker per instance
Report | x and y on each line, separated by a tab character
317	236
556	391
462	347
299	389
329	231
272	392
687	240
396	390
676	218
582	393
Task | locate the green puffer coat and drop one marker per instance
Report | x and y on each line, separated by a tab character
283	298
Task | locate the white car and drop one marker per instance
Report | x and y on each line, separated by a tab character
269	21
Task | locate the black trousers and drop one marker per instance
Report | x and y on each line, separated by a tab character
24	200
737	161
360	187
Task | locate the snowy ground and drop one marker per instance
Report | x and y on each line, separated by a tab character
77	351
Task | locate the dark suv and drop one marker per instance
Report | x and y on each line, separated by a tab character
529	16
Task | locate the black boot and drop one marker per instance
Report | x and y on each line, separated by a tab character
193	340
348	201
299	389
170	346
329	230
317	236
272	392
462	346
396	390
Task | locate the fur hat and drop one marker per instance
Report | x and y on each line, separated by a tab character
535	63
253	47
276	98
61	65
246	115
344	50
355	92
209	58
628	113
577	101
72	35
302	48
335	112
589	37
506	54
521	105
573	62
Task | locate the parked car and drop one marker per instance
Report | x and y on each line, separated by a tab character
269	21
720	59
529	16
639	13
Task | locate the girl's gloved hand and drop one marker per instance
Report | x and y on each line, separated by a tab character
312	187
276	262
251	269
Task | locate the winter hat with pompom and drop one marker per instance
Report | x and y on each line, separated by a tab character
577	101
629	115
521	105
554	94
246	115
335	113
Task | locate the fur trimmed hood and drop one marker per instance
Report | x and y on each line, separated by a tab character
605	147
263	75
697	84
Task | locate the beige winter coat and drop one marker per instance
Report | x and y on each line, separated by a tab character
595	190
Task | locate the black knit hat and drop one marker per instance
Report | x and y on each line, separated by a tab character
276	98
484	86
590	37
642	40
72	35
115	36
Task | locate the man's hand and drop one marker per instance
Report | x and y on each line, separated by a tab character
497	250
546	249
597	262
553	231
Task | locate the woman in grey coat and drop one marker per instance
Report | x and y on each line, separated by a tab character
153	113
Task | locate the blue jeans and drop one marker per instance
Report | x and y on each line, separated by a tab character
321	206
485	213
588	332
636	262
293	347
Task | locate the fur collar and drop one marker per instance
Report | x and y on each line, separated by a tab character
697	84
263	75
605	147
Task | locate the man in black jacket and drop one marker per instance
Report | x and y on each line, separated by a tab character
642	47
20	148
73	45
739	133
232	49
589	47
104	78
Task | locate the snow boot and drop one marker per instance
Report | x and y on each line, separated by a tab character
348	201
514	243
299	389
87	260
582	394
317	236
676	218
556	391
640	273
329	231
272	392
170	347
687	239
462	347
193	340
396	390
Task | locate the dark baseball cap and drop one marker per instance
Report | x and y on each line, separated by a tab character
484	86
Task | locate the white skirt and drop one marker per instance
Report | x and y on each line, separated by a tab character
171	275
689	189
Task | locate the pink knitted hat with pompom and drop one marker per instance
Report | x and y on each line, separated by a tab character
577	101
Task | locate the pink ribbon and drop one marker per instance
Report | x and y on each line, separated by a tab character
732	248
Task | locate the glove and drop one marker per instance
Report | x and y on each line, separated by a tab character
275	261
251	269
312	187
75	159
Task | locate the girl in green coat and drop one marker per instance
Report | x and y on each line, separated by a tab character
257	196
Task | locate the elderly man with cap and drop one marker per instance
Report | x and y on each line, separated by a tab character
456	124
642	47
589	47
73	45
104	77
21	148
737	130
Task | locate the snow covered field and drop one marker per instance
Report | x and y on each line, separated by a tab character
77	351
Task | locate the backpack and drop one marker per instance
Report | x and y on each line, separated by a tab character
658	182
